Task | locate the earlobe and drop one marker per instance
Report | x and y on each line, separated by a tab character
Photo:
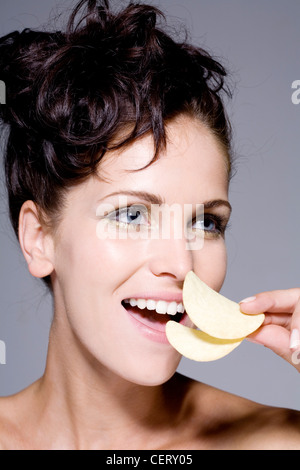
36	243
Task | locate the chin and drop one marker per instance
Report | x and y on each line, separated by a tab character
151	375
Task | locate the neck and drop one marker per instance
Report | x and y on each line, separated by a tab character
99	408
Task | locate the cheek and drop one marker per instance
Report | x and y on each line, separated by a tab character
114	261
87	260
211	264
89	276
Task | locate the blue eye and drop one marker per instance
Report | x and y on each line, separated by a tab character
212	225
132	215
205	224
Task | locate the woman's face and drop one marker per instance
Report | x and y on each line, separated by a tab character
111	248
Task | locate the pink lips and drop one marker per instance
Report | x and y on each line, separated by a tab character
148	322
150	318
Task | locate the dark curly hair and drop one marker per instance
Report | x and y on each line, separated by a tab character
71	94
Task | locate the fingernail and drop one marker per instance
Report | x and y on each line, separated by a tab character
294	339
248	299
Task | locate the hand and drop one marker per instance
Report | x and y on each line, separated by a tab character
280	331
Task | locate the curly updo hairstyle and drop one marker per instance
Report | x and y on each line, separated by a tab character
70	95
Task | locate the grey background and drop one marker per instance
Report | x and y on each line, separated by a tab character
259	42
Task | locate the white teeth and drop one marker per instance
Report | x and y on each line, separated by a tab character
172	308
141	303
161	306
180	308
151	304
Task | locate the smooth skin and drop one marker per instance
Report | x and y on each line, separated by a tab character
106	385
280	330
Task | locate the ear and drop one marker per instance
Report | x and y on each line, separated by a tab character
36	243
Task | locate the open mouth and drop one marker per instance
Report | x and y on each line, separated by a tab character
152	313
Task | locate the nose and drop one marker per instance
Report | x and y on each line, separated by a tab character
170	257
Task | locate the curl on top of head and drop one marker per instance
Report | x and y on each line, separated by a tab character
71	94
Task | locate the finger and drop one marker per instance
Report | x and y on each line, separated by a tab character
295	328
280	319
276	301
275	338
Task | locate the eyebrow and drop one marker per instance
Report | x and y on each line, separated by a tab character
217	203
156	199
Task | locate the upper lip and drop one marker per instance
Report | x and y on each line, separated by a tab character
166	296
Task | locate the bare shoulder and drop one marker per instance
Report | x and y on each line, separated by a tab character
227	421
8	429
14	414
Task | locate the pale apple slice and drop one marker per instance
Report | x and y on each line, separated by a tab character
196	345
214	314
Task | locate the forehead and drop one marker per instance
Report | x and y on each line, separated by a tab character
193	160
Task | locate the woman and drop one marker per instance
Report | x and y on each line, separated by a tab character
111	124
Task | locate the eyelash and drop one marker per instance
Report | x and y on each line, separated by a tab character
221	222
117	213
